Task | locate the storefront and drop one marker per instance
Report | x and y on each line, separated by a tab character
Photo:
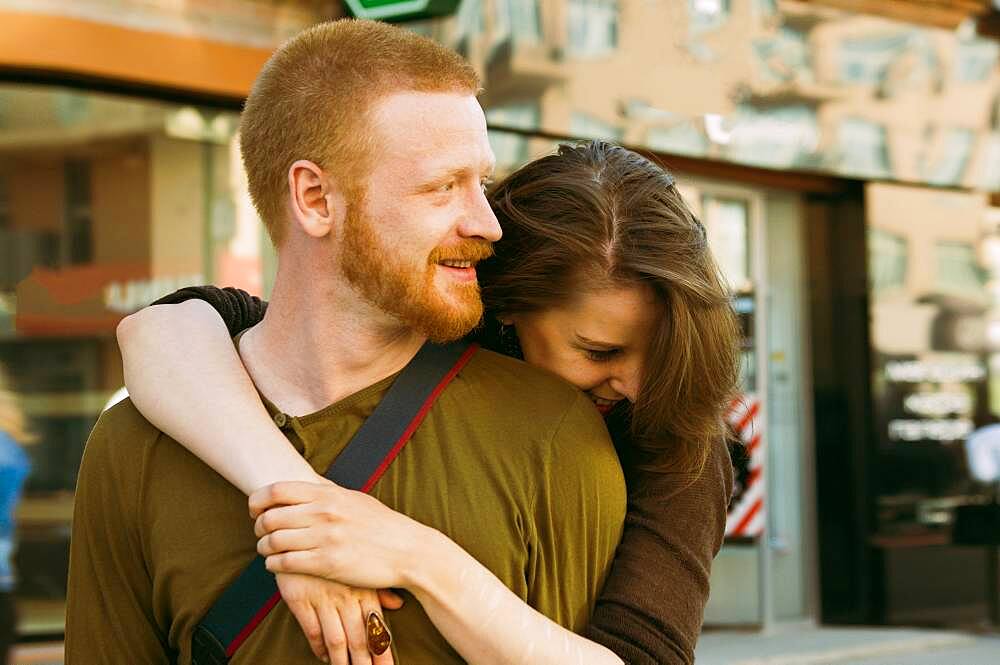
866	304
119	181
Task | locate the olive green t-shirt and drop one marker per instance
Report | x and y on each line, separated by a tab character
511	463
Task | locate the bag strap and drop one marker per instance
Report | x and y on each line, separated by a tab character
252	595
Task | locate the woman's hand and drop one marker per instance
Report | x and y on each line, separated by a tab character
335	533
333	616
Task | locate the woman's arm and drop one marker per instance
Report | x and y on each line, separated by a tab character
180	358
652	605
327	531
485	622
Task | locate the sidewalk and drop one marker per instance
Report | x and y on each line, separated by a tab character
786	645
809	645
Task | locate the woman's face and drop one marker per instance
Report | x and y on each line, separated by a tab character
598	343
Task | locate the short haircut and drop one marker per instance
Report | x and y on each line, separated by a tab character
313	98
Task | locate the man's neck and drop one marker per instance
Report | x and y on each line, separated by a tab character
320	343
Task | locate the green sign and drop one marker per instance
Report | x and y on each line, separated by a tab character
401	10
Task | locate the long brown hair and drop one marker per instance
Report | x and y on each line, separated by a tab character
595	215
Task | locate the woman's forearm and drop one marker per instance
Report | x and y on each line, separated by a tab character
484	621
179	359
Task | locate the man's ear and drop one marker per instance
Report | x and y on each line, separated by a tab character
318	204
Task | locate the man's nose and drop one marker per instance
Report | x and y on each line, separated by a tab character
480	222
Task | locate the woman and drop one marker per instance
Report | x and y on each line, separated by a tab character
605	278
14	467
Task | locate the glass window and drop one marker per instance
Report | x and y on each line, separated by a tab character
593	27
954	155
931	257
511	150
683	138
866	59
888	257
957	267
777	137
708	14
975	60
586	126
516	20
106	203
863	149
727	223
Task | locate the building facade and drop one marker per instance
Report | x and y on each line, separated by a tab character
844	164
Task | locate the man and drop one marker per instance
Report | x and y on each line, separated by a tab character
366	153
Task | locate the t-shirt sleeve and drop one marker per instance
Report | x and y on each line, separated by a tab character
238	309
109	615
578	518
651	608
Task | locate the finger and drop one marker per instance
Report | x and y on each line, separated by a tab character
311	627
286	540
370	604
285	517
334	637
284	494
389	599
306	562
357	636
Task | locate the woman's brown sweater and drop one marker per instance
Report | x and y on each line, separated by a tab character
651	607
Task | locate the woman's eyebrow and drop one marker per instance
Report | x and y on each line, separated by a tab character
594	342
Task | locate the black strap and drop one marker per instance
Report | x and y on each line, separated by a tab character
252	595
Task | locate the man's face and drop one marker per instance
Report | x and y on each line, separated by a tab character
411	244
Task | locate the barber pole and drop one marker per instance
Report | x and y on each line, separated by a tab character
746	514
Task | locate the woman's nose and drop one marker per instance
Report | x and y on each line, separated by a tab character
627	386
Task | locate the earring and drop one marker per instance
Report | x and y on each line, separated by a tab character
510	345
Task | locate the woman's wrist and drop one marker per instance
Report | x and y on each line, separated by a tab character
427	562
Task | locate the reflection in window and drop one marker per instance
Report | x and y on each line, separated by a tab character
778	137
954	156
78	240
866	59
765	7
862	148
783	57
586	126
957	268
683	138
975	60
888	258
989	178
593	27
708	14
470	19
727	224
516	20
511	150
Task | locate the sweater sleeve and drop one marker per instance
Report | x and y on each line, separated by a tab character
238	309
653	602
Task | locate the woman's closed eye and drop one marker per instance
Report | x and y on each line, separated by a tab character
602	355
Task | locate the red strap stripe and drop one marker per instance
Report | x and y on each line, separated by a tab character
396	449
252	625
419	418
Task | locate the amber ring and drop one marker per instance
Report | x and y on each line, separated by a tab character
379	638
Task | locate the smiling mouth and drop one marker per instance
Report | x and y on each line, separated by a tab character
457	264
603	405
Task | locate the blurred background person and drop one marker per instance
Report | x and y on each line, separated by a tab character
14	467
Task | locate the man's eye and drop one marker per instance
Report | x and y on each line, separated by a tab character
447	187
